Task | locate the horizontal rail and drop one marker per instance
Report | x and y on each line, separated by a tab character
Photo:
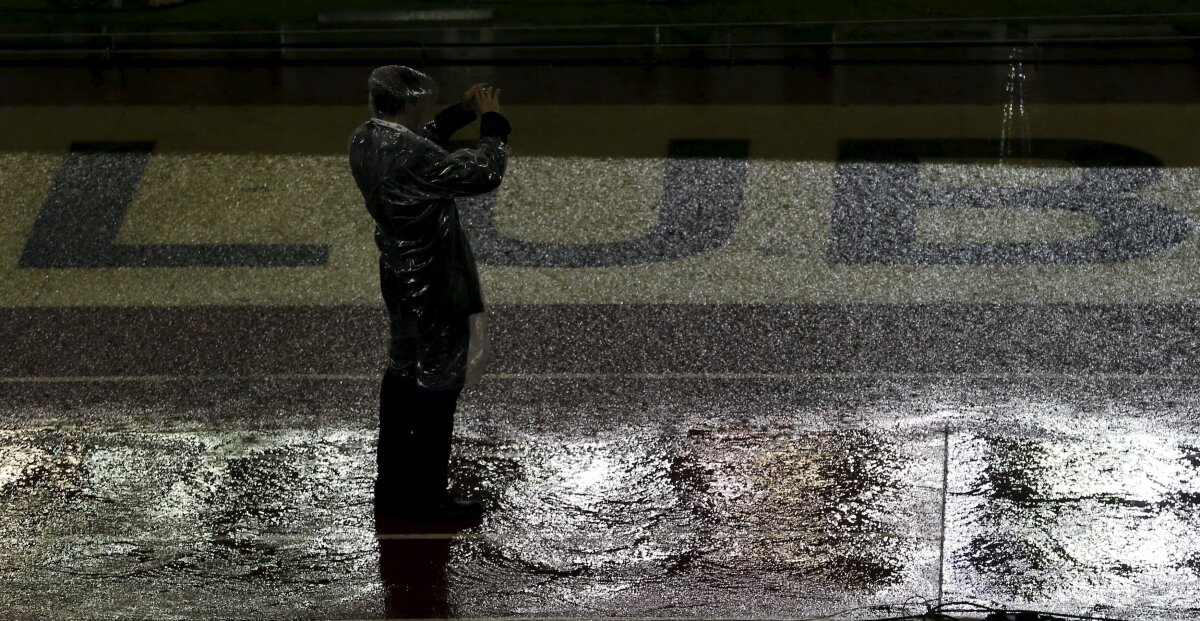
1008	30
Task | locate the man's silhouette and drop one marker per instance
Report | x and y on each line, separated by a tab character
427	275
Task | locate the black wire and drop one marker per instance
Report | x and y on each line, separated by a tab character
943	612
928	616
1045	616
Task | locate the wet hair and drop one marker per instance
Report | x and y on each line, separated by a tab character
392	88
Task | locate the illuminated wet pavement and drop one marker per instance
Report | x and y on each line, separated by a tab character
779	497
770	408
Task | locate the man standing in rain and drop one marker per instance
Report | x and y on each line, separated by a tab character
428	277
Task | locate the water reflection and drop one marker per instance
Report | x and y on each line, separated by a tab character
413	571
1082	505
647	520
834	500
594	522
227	523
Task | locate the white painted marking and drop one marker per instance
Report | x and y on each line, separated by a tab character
825	617
272	537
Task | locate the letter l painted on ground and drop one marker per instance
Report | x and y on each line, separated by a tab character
79	222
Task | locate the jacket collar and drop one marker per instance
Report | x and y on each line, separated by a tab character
395	126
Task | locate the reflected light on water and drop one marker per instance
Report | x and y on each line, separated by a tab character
1081	502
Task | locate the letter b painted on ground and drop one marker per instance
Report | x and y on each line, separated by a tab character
878	200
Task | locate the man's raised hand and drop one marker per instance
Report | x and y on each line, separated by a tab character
471	96
488	100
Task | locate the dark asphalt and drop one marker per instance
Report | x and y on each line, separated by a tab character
675	338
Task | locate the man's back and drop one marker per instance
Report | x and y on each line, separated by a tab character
408	183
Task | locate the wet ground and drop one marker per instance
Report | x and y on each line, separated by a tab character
871	370
743	496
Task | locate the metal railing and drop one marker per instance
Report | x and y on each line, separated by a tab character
482	41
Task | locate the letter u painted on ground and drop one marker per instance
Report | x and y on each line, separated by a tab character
878	200
701	203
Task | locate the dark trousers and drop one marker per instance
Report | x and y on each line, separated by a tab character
416	426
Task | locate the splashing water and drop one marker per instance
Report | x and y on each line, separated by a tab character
1014	129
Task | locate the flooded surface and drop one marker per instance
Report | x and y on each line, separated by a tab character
1095	510
617	498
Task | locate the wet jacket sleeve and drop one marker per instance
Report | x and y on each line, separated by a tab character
474	171
449	120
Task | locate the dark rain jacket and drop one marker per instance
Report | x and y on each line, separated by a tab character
427	273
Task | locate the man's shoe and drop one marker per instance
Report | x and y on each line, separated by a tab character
437	510
454	509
